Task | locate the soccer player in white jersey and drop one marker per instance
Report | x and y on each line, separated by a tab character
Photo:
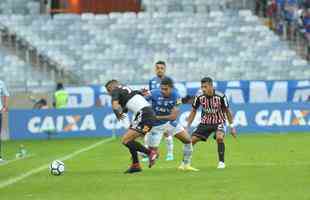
123	100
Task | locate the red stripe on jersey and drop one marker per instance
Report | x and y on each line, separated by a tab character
212	109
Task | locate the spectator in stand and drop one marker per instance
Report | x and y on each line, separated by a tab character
306	24
261	5
272	14
290	13
306	4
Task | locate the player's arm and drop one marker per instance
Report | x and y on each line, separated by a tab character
229	117
192	114
231	122
5	100
117	108
191	117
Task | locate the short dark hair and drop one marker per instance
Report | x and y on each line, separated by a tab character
59	86
110	82
160	62
207	80
167	81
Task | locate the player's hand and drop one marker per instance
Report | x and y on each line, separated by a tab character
145	92
233	132
4	109
121	116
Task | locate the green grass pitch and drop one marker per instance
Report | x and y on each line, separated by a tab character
259	167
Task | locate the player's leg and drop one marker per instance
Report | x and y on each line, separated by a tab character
144	156
195	140
169	143
184	137
220	134
128	140
143	123
153	138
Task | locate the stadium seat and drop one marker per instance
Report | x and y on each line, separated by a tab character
125	45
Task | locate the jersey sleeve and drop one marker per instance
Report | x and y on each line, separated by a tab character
196	103
115	95
149	97
224	102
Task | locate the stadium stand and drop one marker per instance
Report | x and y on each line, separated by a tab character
21	7
16	73
227	43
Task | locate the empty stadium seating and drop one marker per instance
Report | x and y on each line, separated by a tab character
227	45
200	6
21	7
195	38
20	76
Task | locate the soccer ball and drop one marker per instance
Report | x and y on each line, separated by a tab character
57	168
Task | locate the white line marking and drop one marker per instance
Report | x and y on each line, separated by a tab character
44	167
16	159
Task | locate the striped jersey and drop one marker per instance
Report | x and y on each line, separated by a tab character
213	108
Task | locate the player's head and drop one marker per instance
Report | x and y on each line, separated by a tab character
160	69
110	85
59	86
207	85
166	86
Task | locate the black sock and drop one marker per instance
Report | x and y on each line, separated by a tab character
133	151
141	148
221	151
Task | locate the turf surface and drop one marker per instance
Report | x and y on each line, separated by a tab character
259	167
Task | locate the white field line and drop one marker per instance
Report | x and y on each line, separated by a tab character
16	159
16	179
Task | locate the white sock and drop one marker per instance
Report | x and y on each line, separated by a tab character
146	141
187	153
169	141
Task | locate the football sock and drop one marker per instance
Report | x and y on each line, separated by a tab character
169	141
221	151
187	153
141	148
146	141
132	149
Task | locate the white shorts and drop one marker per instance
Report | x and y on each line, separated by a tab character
153	138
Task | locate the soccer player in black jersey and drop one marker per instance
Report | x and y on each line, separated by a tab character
215	112
124	99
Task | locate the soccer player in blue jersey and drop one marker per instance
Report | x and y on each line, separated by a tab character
165	102
154	83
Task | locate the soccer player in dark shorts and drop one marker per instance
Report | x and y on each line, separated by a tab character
215	112
124	99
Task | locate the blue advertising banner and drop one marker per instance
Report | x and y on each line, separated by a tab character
91	122
238	92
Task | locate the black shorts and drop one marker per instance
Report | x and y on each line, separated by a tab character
203	131
143	120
